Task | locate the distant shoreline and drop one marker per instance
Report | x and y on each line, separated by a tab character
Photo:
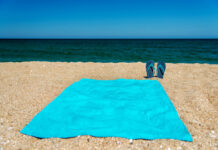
100	62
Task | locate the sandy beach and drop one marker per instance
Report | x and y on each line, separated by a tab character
27	87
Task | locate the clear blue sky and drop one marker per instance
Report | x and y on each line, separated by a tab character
108	18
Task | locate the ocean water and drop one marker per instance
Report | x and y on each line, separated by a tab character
110	50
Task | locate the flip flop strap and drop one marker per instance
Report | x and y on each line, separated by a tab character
161	67
151	65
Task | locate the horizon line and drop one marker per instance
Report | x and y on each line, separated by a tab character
109	38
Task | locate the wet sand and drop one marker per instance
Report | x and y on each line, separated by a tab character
26	88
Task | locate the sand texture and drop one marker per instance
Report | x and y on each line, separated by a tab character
26	88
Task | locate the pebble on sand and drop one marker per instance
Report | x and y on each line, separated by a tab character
212	134
130	141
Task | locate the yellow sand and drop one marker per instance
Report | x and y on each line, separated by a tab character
26	88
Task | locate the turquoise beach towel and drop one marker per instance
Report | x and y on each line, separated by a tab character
127	108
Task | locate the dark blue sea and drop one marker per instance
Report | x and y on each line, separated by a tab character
110	50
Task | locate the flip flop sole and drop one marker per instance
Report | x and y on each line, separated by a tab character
150	69
161	69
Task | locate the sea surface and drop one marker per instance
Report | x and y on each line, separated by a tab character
110	50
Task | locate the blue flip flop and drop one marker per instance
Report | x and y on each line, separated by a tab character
150	68
161	67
